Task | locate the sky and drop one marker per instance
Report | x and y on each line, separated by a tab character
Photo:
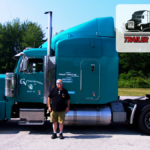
66	13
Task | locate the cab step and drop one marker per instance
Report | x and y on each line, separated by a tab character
22	122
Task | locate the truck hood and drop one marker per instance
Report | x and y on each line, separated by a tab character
2	77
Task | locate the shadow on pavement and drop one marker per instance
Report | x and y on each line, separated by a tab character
88	136
12	127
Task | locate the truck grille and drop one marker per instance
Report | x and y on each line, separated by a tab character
130	24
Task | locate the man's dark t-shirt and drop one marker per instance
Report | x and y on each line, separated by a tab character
59	99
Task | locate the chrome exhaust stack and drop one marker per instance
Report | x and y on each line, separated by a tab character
49	32
49	66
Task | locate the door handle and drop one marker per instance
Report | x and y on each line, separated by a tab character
92	67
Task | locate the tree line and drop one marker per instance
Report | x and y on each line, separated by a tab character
134	70
14	38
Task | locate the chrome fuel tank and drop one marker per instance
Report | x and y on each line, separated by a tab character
101	116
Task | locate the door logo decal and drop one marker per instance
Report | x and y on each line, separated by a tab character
23	81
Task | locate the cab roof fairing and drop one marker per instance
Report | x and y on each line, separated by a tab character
31	53
36	52
98	27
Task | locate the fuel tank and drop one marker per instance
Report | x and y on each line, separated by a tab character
99	116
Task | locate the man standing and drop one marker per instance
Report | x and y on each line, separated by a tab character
58	95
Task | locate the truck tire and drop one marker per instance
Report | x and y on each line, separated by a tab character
144	121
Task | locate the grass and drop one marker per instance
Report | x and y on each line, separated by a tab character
133	91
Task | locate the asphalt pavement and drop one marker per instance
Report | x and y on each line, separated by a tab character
111	137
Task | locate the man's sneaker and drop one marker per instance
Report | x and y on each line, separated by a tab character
61	136
54	136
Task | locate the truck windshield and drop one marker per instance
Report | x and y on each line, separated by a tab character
137	17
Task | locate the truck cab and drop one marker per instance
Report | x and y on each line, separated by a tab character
78	55
140	21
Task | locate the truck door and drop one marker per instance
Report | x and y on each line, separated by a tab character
30	84
90	79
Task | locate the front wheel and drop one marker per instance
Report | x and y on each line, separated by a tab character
144	121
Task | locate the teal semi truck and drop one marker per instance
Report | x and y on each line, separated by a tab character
86	60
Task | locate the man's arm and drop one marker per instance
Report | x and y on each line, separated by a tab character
49	104
68	106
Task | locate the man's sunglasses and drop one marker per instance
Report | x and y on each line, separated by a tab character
59	83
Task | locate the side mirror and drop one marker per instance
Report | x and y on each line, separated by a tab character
25	64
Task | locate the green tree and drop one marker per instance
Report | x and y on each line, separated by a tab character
32	35
16	36
138	62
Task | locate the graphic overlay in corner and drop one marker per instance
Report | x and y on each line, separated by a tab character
133	28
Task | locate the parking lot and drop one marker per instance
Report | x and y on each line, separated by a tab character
114	136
